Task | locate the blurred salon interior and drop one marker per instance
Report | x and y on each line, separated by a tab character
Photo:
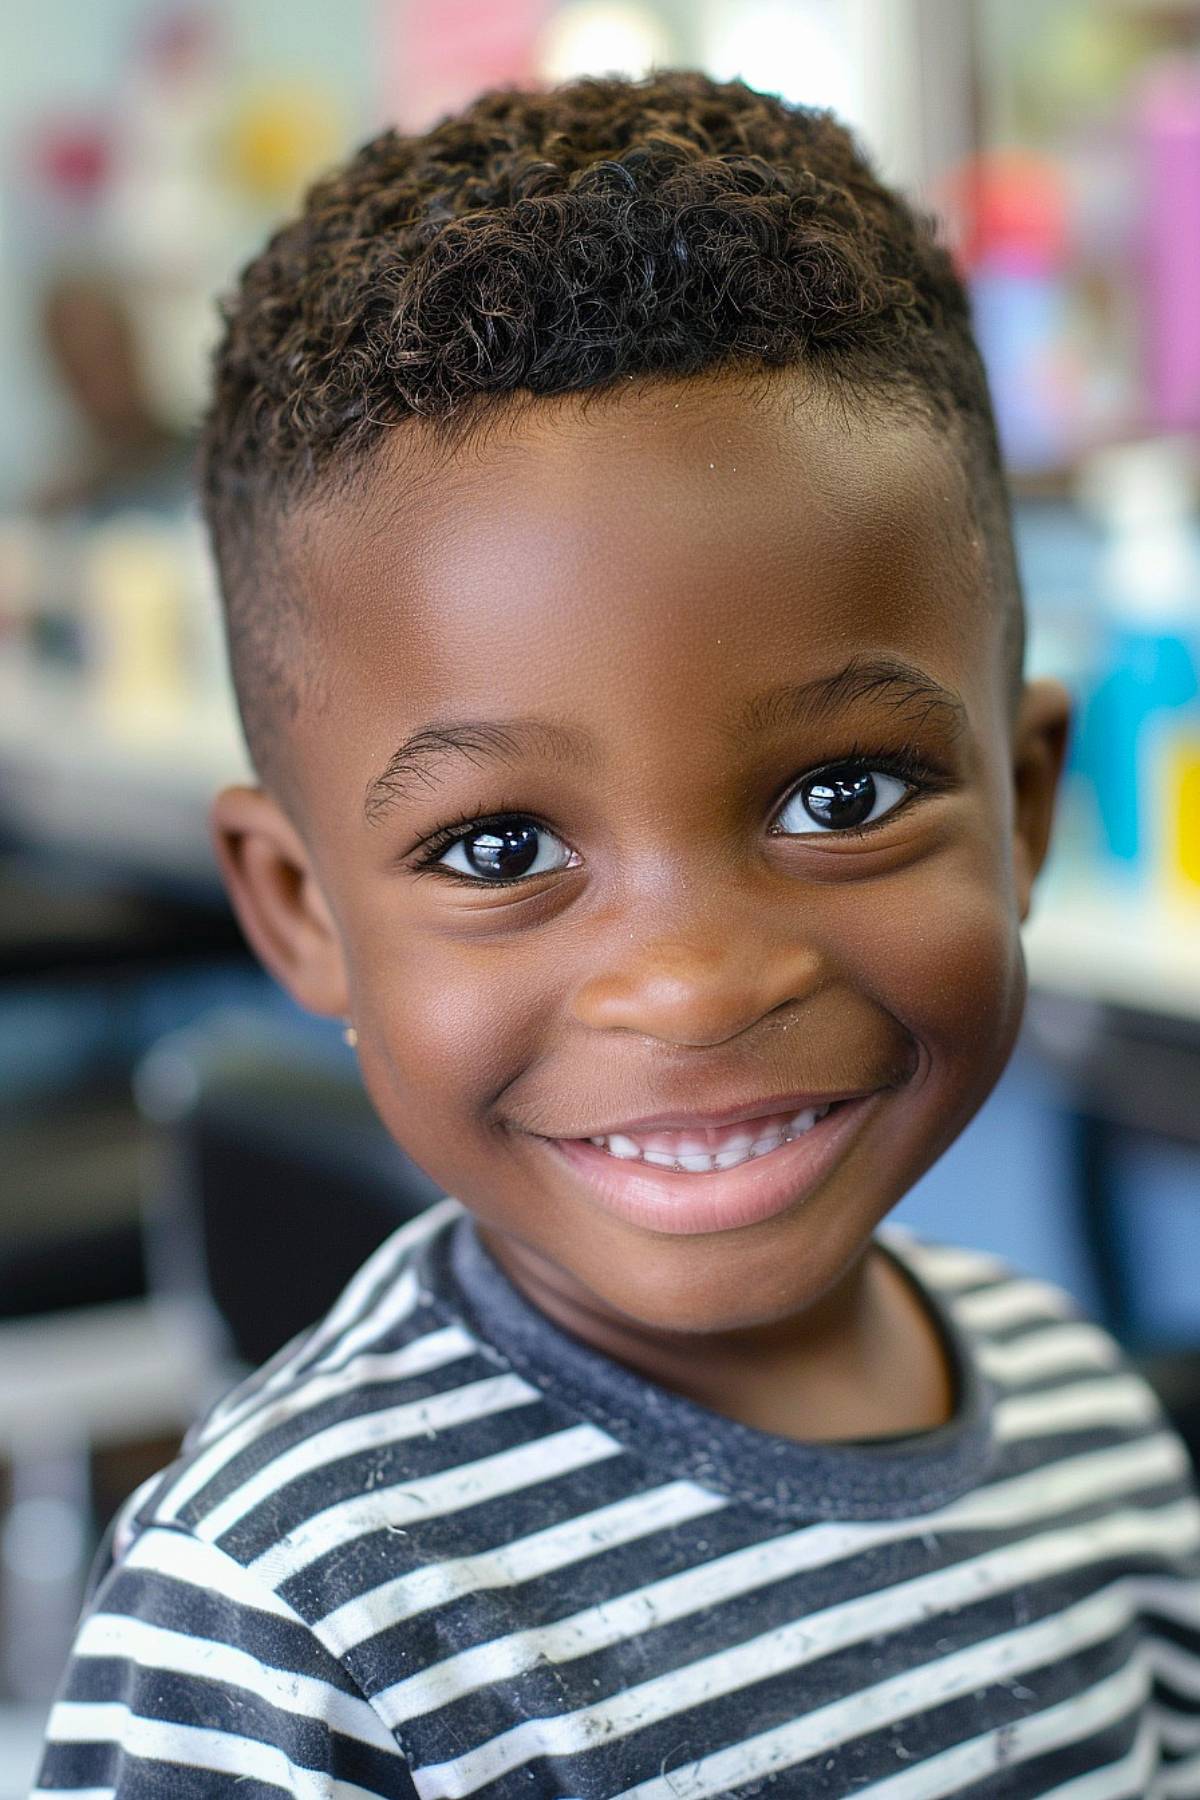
170	1123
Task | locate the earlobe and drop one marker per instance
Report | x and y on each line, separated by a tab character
1039	751
270	880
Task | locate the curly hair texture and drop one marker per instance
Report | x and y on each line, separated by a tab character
541	243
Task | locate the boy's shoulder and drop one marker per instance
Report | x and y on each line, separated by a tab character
1052	1369
387	1342
961	1276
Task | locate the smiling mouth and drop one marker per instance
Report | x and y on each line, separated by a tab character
697	1178
708	1149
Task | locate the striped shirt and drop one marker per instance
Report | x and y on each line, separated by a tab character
438	1546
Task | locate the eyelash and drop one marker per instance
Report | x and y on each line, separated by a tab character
906	765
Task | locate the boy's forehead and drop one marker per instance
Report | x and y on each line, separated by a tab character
718	503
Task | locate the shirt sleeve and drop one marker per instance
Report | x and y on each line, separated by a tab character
191	1681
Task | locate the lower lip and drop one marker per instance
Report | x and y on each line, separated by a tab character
721	1199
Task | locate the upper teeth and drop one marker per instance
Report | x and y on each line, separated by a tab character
689	1153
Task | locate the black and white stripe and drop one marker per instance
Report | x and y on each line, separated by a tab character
438	1548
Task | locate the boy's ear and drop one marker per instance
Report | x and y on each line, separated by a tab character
1039	750
278	900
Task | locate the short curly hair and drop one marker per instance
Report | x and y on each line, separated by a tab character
542	243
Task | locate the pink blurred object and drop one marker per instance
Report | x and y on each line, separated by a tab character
1167	137
438	54
72	158
1007	214
1006	209
178	42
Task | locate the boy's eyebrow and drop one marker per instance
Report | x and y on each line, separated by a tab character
908	690
479	741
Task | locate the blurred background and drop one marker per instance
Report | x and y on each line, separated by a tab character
169	1123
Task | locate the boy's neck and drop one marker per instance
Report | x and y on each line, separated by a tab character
879	1369
866	1361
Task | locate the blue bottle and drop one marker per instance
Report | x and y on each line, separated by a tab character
1150	589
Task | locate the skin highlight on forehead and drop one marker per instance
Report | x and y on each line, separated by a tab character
717	462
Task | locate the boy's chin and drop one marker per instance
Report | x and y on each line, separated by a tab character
662	1287
717	1293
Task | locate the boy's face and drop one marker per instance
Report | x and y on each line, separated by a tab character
723	680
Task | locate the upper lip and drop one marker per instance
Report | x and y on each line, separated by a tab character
716	1117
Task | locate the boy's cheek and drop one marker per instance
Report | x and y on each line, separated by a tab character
959	988
936	946
439	1043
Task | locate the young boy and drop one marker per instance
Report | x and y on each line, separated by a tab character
625	623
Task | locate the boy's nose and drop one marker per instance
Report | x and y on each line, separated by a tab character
698	990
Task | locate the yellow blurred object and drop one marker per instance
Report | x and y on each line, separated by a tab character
1183	818
1077	60
133	588
279	138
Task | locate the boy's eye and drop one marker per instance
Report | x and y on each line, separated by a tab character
505	849
841	799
